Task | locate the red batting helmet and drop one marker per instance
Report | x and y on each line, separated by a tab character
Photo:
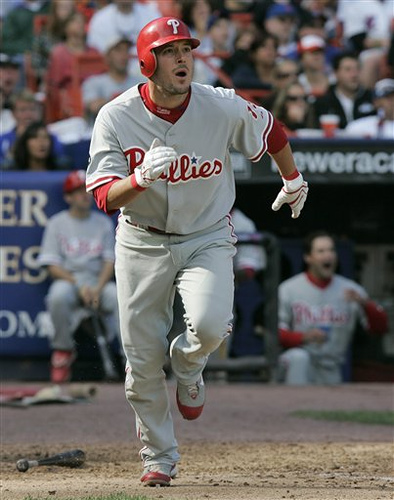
157	33
74	180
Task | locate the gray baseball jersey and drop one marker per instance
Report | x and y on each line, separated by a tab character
303	305
125	129
78	245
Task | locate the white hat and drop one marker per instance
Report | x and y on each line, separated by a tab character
311	43
383	88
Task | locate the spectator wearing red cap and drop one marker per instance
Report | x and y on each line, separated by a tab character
78	251
316	75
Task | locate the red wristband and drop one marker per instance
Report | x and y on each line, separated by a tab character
135	184
292	176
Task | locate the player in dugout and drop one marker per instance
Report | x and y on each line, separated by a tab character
160	153
318	314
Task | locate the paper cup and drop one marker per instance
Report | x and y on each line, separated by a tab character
329	124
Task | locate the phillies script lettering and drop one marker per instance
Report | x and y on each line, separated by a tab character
305	314
186	168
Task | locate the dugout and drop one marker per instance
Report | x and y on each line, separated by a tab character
351	195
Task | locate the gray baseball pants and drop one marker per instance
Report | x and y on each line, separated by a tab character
148	268
67	312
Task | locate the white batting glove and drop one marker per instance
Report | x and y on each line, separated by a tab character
294	193
156	161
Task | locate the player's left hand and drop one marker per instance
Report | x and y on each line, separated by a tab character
294	193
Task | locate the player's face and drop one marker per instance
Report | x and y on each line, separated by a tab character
174	68
322	260
79	200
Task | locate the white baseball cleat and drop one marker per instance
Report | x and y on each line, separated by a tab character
191	399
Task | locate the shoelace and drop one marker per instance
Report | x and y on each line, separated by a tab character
193	390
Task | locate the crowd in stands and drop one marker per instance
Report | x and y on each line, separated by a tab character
300	59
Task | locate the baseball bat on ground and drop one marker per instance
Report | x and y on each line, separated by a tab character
73	458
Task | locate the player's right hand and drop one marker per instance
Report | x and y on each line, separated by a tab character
156	161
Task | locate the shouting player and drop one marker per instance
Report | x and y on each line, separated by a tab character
160	153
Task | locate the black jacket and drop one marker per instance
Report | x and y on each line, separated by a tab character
329	104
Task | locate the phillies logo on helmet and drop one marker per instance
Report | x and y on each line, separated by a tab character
174	23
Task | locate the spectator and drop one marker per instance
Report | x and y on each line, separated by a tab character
380	126
52	33
60	66
281	21
78	251
312	27
218	46
242	43
366	30
26	109
258	71
196	14
18	27
123	18
315	75
285	72
34	151
291	107
97	90
346	98
10	77
318	313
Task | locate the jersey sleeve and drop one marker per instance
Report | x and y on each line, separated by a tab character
253	127
107	161
50	250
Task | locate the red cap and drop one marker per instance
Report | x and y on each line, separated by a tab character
74	180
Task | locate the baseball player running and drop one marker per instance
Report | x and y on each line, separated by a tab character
160	153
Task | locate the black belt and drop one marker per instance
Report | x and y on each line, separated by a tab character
151	228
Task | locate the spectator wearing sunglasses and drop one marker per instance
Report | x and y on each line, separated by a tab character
285	72
292	109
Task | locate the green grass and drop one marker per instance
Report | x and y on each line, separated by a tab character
372	417
113	496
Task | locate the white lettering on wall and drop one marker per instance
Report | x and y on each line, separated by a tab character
23	208
18	265
21	325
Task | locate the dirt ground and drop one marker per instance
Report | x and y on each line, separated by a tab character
245	446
